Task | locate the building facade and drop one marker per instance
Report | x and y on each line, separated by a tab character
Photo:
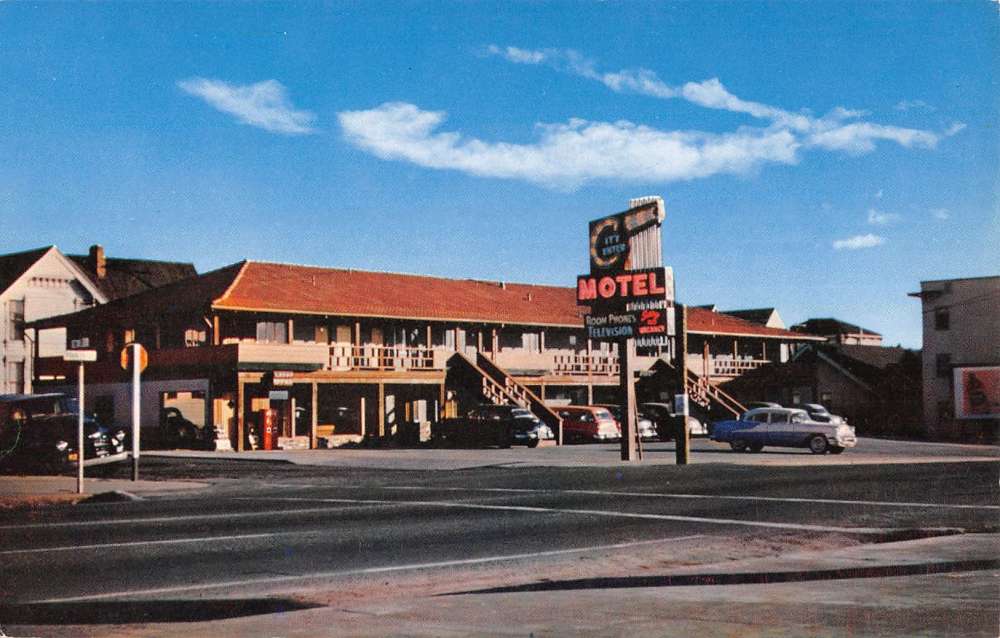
336	356
961	331
44	282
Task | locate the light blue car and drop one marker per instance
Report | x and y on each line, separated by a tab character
783	427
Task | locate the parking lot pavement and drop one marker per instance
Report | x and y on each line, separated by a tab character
868	451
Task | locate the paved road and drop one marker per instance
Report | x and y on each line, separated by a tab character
297	532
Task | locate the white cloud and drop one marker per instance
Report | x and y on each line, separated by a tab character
881	218
955	128
906	105
858	242
569	154
940	213
264	104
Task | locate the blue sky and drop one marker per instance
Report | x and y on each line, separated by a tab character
821	158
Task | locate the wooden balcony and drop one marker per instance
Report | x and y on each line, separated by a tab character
396	358
725	366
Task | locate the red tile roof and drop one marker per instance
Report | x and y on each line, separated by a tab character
286	288
269	287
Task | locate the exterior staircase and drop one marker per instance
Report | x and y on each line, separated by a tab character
498	387
700	390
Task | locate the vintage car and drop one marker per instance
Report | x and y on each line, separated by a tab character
645	428
588	423
180	432
39	432
662	415
499	425
783	427
819	413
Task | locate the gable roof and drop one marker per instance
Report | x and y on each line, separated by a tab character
753	315
124	277
830	326
14	265
293	289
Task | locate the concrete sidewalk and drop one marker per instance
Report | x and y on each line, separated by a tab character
27	491
942	586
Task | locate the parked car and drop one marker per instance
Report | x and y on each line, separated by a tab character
783	427
762	404
40	432
177	431
588	423
821	414
499	425
645	428
662	415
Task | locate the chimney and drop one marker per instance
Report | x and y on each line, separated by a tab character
97	261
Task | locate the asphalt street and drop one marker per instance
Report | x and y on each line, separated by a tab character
272	537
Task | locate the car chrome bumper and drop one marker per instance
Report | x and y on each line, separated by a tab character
104	460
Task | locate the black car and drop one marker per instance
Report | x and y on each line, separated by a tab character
40	432
500	425
179	432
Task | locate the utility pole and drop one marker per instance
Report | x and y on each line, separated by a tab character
681	435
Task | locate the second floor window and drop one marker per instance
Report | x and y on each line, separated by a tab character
15	308
943	364
942	319
272	332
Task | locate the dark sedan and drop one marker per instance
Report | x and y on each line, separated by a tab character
39	433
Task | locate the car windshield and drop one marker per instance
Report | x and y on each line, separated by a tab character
602	414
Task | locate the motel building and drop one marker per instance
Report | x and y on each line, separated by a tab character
331	356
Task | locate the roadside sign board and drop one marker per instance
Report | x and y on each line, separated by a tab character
126	357
80	356
610	237
282	378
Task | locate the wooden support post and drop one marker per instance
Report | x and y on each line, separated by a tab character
496	342
381	410
290	337
216	337
429	335
479	341
590	394
364	416
240	416
626	358
314	416
443	395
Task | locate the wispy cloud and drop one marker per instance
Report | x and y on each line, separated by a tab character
940	213
569	154
264	104
881	218
906	105
858	242
566	154
830	132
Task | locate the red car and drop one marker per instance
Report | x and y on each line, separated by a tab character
588	423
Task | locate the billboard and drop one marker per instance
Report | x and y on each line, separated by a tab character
977	392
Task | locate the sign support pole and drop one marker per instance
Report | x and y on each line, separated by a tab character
681	434
626	358
79	434
136	365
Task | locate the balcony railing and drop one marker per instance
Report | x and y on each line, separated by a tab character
375	357
723	365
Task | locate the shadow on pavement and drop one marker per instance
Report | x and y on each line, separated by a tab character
751	578
121	612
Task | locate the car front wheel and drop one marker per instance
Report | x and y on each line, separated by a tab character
756	447
532	442
836	449
738	446
818	444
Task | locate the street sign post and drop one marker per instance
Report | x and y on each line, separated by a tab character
134	355
81	357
